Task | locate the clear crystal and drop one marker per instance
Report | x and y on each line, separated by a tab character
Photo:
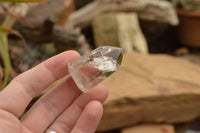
92	68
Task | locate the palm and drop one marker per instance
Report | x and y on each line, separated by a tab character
62	109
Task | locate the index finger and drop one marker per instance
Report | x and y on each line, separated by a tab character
18	94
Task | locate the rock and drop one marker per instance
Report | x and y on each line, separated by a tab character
149	129
181	51
192	57
152	88
119	29
154	10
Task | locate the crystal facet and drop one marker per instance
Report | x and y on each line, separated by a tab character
92	68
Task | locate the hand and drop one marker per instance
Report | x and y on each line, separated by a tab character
63	109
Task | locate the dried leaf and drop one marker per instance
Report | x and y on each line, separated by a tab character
11	31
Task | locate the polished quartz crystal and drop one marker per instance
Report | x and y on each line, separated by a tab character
92	68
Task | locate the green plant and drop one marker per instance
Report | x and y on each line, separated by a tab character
188	5
5	29
5	55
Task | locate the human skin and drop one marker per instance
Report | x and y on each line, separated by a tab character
63	109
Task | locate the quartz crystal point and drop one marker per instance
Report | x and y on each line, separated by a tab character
92	68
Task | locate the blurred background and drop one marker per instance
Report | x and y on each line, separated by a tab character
157	88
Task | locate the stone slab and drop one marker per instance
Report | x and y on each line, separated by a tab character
152	88
151	128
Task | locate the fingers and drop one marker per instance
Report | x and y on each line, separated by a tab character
89	119
55	102
17	95
48	107
66	121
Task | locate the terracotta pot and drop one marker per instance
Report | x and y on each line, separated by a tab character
189	28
